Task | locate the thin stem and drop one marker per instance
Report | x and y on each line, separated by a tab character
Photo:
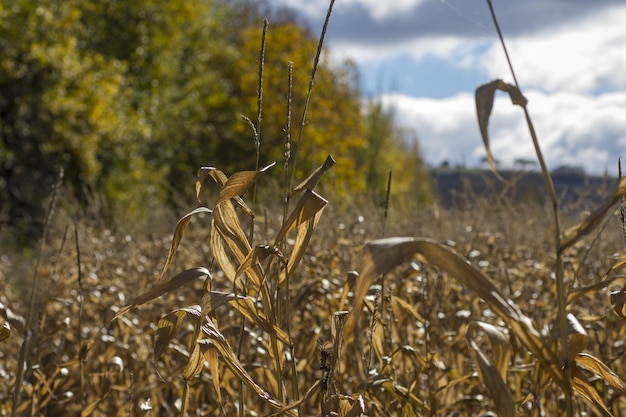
308	93
31	308
560	283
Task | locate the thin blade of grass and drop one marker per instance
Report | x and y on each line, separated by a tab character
181	226
574	233
493	374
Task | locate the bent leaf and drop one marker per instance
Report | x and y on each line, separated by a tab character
574	233
217	340
484	104
311	182
381	255
493	374
181	226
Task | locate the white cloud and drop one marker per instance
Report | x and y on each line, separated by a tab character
585	56
572	129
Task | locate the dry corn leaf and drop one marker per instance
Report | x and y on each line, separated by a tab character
226	226
162	289
311	182
410	403
309	204
256	256
239	183
195	363
595	365
203	173
217	340
210	355
181	226
493	374
582	387
170	324
248	308
484	104
574	233
305	231
580	292
381	255
356	409
309	394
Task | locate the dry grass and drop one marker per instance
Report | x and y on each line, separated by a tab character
428	346
288	305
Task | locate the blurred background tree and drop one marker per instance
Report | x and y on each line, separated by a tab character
131	98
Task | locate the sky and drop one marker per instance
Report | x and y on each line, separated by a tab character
425	58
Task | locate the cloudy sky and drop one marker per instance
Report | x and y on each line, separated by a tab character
426	58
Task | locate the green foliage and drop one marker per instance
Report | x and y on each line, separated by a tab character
131	98
389	146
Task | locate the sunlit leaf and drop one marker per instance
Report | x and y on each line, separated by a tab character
311	182
595	365
181	226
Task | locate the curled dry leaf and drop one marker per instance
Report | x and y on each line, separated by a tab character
311	182
205	172
181	226
493	373
484	104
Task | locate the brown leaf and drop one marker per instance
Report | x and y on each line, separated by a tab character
599	368
484	104
308	206
582	387
161	289
493	374
205	172
238	184
220	343
311	182
181	226
5	331
574	233
170	324
618	300
380	256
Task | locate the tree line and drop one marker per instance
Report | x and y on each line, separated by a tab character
131	98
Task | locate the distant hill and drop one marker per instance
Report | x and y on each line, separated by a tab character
456	187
